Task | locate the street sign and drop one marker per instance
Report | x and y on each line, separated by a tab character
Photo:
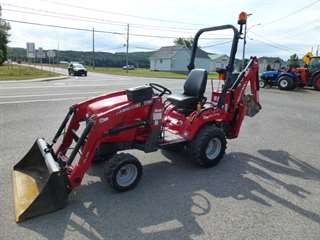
31	50
41	53
51	53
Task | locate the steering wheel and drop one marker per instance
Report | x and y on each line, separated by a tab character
159	88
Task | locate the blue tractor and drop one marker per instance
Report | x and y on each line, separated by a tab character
285	80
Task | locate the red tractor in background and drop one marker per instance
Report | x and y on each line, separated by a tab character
309	75
291	78
136	118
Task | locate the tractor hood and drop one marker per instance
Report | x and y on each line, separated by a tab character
107	102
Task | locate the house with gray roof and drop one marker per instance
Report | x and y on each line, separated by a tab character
177	58
219	60
274	62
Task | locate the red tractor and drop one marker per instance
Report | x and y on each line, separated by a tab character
310	74
294	77
136	118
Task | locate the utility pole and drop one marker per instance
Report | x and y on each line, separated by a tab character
244	42
58	52
244	45
93	57
127	53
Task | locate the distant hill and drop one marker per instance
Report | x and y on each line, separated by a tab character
103	59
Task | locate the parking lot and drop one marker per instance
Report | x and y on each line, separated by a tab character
266	187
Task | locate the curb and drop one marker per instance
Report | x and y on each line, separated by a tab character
35	80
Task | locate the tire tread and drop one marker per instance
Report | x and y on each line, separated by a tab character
197	145
111	167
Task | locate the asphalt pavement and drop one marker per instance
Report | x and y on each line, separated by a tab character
266	187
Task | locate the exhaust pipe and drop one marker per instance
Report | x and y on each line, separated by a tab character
40	185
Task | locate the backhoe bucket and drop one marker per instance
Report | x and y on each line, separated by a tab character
39	184
252	107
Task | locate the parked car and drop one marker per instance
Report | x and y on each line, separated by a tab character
129	67
77	69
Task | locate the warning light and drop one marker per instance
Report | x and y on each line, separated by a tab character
242	18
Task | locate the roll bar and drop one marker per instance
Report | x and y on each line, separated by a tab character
233	52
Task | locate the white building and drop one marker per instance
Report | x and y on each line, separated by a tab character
177	58
274	63
218	60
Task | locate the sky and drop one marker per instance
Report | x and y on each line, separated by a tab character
275	28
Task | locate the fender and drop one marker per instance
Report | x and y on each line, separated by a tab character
288	74
269	75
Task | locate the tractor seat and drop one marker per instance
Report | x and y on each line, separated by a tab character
194	89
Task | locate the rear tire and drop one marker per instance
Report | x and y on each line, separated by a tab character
209	146
285	83
123	172
316	82
294	85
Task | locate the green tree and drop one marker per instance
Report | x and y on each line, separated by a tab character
4	35
186	42
294	61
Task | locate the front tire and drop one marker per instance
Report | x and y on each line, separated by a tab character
262	83
209	146
103	158
123	172
285	83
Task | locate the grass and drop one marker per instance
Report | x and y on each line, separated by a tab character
138	72
142	72
18	72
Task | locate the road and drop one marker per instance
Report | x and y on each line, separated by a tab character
266	187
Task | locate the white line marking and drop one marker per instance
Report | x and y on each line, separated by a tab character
50	94
44	100
66	86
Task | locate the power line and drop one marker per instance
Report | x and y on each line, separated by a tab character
120	14
217	44
306	28
63	27
268	44
272	45
101	31
116	48
144	48
272	42
97	20
62	16
292	13
118	23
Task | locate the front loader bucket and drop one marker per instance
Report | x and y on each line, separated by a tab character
39	184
